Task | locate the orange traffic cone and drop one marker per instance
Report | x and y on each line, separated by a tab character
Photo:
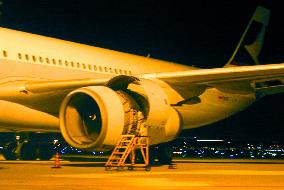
57	161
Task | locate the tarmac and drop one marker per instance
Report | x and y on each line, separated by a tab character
184	174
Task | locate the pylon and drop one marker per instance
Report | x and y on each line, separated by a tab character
57	161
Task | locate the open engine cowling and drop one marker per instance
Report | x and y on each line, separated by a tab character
94	117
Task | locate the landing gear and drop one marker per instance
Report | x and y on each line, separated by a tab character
27	151
165	154
9	151
161	154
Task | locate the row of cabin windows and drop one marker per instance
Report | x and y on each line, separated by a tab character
73	64
69	63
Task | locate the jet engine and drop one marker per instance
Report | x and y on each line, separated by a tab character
94	117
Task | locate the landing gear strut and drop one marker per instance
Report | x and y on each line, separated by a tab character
161	154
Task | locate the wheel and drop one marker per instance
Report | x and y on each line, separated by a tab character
130	168
9	151
148	168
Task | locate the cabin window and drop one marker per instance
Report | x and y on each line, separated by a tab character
125	72
130	73
27	57
84	65
54	61
115	70
5	53
120	71
34	58
40	59
72	64
19	56
95	67
90	67
47	60
60	62
110	70
100	68
66	63
78	65
105	69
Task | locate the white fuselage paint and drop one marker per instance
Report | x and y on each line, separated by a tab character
23	58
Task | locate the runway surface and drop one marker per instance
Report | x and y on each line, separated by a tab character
192	174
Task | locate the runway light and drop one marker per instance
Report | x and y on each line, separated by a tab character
177	152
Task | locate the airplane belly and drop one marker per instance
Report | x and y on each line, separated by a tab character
19	116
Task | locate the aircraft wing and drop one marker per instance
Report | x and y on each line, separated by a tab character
268	79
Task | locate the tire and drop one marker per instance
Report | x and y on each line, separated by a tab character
148	168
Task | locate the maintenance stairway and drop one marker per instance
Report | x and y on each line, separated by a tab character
131	151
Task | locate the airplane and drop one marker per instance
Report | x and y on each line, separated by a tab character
94	95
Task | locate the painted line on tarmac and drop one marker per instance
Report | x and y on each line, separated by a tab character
192	172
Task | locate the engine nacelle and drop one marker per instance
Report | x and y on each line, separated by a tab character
94	118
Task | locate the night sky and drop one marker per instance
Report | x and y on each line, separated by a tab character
199	33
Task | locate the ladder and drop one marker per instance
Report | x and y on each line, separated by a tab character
124	154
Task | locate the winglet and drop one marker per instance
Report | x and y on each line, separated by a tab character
250	45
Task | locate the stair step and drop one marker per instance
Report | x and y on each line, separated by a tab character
114	153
